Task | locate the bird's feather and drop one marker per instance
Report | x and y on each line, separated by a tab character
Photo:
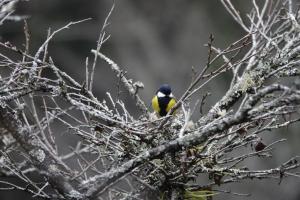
155	104
171	103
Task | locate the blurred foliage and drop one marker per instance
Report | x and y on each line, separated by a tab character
199	195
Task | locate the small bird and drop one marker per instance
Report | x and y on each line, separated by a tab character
163	100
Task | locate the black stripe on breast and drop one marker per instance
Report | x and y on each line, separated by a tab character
163	103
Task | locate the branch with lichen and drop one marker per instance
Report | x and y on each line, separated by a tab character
164	155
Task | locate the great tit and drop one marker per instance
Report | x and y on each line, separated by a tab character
163	100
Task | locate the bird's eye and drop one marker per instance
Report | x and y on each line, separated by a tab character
160	94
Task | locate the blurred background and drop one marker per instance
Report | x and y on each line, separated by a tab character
157	41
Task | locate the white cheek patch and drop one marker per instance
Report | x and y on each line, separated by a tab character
171	95
160	94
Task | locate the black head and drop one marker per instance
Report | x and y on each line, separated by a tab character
165	89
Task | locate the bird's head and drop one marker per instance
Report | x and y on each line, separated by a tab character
164	90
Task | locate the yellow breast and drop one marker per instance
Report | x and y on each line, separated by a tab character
155	104
171	104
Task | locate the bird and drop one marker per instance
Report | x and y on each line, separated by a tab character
163	100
